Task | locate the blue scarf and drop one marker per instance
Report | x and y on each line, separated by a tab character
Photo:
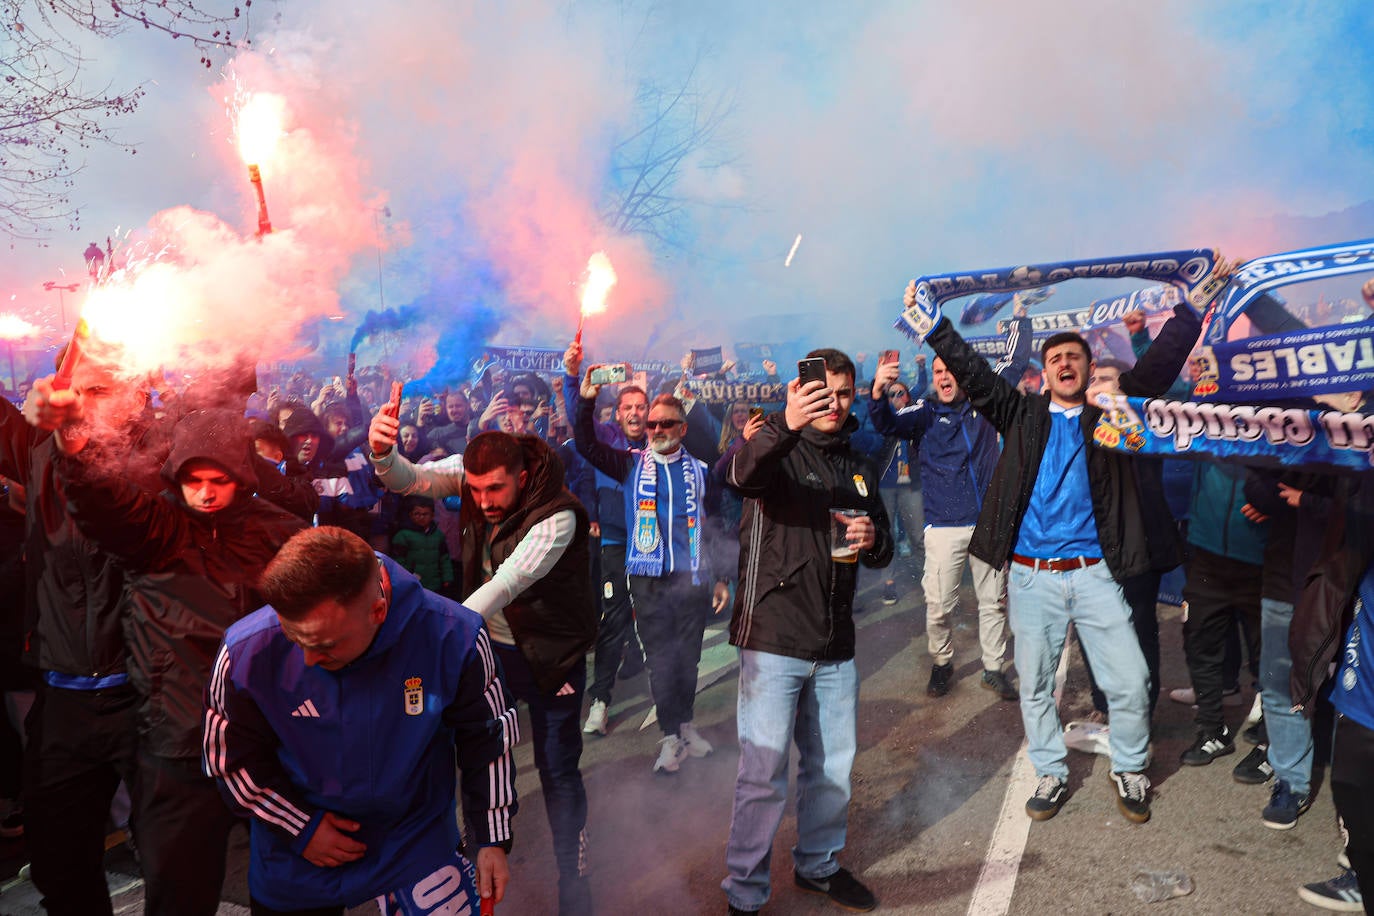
645	551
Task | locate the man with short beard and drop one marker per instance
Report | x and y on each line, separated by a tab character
526	570
794	625
665	557
1068	518
959	450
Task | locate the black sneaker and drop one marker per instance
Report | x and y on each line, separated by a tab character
1257	733
1208	747
997	682
1049	797
1340	894
1133	796
889	592
938	685
1285	806
736	911
1254	770
841	887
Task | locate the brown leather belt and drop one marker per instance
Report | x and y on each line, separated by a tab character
1057	564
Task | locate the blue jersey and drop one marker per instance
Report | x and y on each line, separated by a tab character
1353	695
374	741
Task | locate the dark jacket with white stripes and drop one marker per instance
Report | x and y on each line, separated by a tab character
373	742
792	599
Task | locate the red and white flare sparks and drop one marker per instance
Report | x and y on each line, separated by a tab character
599	279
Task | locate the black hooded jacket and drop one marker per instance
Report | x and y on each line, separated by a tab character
189	574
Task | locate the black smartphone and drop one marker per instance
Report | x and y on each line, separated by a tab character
811	369
755	412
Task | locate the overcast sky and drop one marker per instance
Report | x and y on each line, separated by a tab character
898	138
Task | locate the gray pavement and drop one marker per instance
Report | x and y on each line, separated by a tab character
930	790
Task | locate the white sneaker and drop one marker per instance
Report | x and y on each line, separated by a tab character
596	719
671	753
697	746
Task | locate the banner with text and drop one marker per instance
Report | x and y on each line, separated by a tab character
1297	364
1250	433
1194	272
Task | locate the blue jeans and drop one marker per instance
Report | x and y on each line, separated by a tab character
782	700
1041	605
1290	733
555	722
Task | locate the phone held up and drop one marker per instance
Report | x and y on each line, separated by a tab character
889	356
610	374
812	369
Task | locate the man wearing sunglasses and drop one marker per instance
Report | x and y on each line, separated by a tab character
670	574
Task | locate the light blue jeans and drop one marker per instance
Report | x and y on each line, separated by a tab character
782	700
1041	605
1290	733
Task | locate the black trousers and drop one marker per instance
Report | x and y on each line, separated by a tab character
617	622
181	824
1217	589
672	613
80	745
1352	789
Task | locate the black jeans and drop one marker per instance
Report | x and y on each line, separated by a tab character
1218	588
1352	789
617	622
557	740
80	745
182	827
672	614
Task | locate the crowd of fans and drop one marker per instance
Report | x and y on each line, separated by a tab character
1248	540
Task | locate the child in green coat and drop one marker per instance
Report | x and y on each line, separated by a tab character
419	545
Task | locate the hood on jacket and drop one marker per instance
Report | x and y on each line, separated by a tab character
304	421
217	435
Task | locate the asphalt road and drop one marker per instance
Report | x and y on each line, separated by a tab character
936	822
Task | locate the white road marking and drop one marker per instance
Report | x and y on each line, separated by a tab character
997	878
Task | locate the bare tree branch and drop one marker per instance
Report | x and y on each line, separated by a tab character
48	116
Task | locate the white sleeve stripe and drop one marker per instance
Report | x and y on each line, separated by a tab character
265	803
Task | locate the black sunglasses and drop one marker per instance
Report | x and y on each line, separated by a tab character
661	424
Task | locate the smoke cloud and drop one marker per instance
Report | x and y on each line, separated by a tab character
899	138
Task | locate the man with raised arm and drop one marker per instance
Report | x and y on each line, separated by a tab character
527	571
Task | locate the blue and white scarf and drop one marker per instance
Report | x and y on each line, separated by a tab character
645	551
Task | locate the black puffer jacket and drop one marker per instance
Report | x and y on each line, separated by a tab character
554	620
189	574
1024	422
792	599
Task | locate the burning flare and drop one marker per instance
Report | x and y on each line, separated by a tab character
599	278
12	327
258	120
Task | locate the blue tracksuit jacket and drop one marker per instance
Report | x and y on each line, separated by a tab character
374	741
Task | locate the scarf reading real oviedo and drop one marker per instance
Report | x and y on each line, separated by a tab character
645	552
